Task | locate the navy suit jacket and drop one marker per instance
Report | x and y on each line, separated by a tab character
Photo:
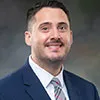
25	85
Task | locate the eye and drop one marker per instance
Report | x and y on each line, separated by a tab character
62	28
45	28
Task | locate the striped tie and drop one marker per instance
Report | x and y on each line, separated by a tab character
59	95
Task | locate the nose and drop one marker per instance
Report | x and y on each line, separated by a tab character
55	34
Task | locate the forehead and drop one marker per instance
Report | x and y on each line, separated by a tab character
53	15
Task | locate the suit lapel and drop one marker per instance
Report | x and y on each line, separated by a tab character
36	91
73	92
33	86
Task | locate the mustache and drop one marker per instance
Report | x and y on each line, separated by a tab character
54	42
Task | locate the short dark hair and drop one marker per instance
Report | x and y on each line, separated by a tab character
46	3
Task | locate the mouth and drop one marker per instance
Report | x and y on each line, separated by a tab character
54	46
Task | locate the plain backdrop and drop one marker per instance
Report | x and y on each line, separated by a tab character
84	57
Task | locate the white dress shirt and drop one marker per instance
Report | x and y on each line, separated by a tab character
45	78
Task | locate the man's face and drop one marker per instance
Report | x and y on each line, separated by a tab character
51	37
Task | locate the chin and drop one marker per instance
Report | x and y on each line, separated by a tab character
57	58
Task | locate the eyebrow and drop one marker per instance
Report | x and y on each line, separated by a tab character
48	23
63	23
45	23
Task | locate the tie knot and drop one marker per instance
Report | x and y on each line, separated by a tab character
56	82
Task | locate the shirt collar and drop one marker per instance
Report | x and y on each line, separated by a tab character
44	76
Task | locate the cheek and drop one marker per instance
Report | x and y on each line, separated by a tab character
67	40
42	39
68	36
38	42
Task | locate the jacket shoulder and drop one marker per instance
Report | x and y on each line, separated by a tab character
14	77
12	81
75	78
86	88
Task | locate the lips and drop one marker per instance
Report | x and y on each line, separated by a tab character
54	44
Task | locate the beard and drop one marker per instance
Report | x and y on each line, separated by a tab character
42	56
45	59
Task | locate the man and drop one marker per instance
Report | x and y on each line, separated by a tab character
50	37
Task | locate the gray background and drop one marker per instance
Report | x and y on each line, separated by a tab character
84	57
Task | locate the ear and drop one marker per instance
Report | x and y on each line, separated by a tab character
71	37
28	37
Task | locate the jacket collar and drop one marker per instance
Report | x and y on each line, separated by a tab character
33	86
73	91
